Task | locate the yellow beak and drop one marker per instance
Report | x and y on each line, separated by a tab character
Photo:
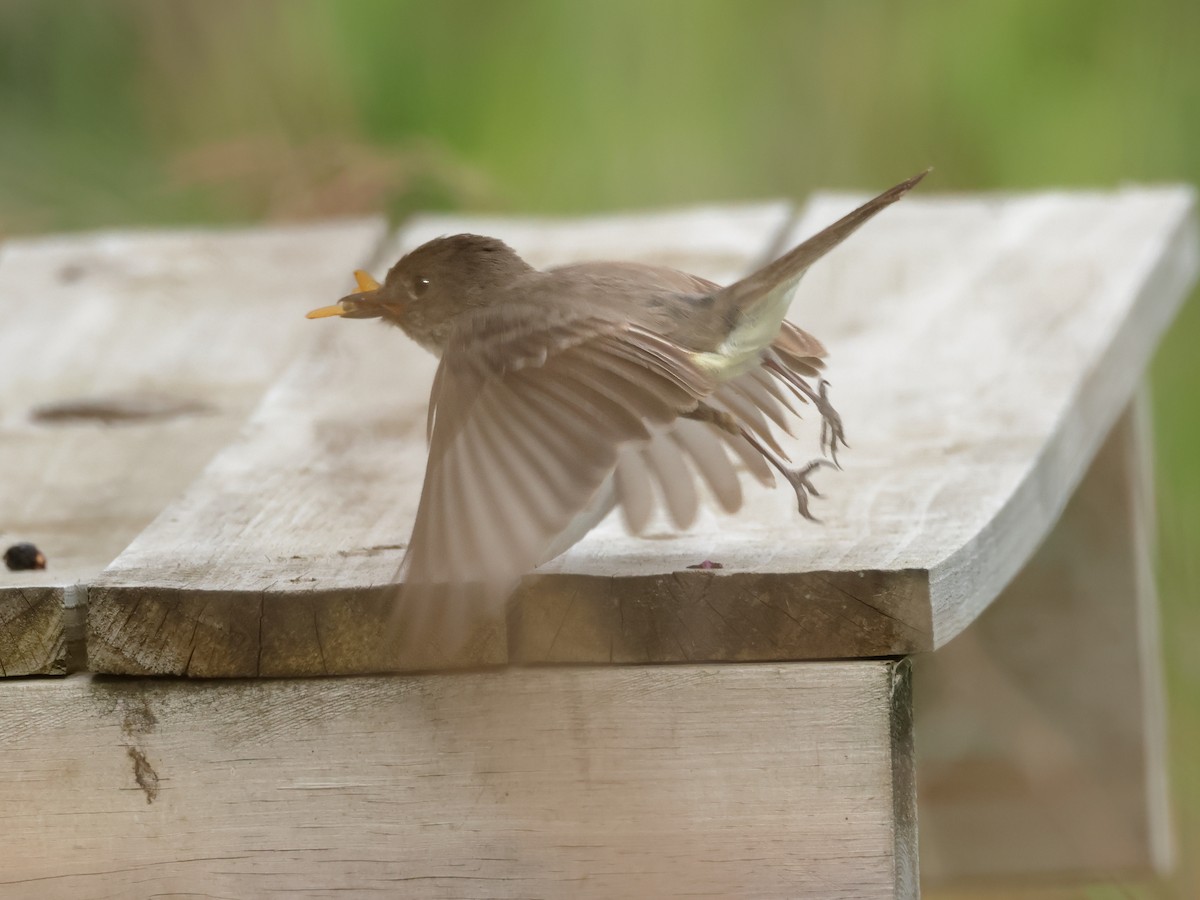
324	312
365	283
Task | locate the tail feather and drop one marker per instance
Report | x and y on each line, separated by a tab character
743	294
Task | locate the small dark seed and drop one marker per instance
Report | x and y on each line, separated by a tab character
24	556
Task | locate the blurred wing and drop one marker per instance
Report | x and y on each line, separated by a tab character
529	418
802	352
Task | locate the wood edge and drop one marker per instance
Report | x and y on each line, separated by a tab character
1140	457
1172	272
904	782
33	631
153	630
145	631
705	616
554	620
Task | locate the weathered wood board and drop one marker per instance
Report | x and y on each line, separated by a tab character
1041	729
573	782
126	362
981	349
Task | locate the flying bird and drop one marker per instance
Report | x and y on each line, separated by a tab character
563	393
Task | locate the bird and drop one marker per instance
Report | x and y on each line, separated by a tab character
561	394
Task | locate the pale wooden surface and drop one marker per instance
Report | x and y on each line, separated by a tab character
1041	728
577	782
980	350
126	361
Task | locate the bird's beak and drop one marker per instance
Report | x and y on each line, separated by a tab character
363	304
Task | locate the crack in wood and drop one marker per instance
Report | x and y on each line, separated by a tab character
562	622
907	626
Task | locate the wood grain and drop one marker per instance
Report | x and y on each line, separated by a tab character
981	349
1041	728
126	361
576	782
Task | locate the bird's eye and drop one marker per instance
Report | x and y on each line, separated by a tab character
419	286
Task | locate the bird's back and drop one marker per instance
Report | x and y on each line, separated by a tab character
673	304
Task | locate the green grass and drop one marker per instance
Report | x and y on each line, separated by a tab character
164	112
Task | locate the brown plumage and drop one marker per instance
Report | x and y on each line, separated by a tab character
566	392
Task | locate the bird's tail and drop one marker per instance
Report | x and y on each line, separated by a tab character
742	296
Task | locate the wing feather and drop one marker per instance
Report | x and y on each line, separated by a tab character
776	390
703	446
674	480
752	459
537	427
747	413
527	426
635	492
757	395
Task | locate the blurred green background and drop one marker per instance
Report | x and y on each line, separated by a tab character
166	112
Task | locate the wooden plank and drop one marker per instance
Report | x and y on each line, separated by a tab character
764	781
126	361
981	348
273	562
1042	749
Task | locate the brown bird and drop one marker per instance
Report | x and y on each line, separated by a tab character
563	393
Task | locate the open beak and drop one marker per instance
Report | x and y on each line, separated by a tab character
360	305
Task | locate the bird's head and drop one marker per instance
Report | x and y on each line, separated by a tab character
434	284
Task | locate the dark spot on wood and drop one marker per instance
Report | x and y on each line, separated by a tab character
22	557
117	409
143	773
71	272
139	718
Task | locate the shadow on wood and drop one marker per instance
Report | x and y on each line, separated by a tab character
1040	730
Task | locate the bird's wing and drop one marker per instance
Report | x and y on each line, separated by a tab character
530	411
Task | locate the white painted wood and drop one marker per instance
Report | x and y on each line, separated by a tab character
1041	728
577	782
980	349
126	361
